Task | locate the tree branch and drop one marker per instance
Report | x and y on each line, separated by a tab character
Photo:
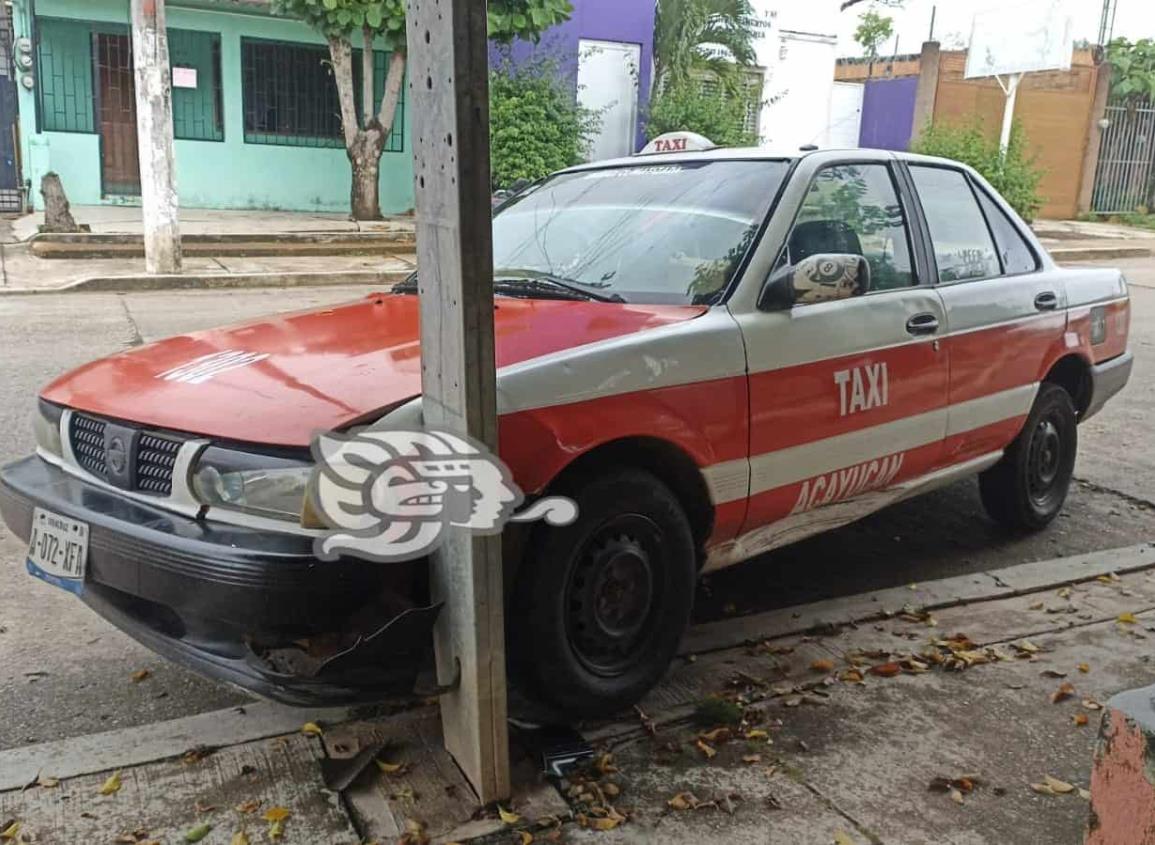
392	94
341	52
368	71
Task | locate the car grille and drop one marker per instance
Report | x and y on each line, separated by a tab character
155	454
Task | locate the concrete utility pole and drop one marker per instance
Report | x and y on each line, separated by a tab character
162	252
449	102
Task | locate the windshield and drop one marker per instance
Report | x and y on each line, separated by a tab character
660	233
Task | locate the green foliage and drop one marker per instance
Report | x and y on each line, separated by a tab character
508	19
873	31
1133	69
1016	178
696	35
720	114
535	125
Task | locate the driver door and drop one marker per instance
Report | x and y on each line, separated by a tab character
847	398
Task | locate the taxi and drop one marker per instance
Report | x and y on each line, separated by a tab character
713	352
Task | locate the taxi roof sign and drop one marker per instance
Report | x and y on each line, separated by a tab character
678	142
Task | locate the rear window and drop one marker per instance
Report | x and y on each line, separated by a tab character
651	233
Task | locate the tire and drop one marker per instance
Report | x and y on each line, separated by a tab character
601	605
1026	489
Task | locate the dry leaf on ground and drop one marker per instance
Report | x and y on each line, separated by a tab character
110	786
239	838
705	748
10	832
250	806
1066	690
886	670
1080	719
842	838
196	834
311	729
822	666
1084	668
140	675
1059	787
276	814
507	817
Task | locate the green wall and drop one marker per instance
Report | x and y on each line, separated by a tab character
210	174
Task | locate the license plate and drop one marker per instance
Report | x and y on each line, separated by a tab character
58	550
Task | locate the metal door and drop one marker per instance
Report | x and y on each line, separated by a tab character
116	112
1123	181
11	194
608	84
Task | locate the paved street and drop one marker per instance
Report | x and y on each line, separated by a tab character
63	672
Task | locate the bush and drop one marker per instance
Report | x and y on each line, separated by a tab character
1017	178
536	125
686	107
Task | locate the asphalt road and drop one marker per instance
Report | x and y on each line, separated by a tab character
64	672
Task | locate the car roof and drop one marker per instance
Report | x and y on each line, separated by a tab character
753	154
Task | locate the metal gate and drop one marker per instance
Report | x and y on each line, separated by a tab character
11	193
1123	180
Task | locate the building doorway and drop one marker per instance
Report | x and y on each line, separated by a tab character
607	83
116	112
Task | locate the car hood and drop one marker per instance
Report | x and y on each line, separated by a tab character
281	380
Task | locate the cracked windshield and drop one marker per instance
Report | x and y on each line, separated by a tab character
670	233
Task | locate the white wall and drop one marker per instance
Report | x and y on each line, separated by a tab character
798	50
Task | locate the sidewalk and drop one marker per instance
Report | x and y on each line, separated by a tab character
1080	240
971	723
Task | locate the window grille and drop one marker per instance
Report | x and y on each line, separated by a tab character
66	77
290	96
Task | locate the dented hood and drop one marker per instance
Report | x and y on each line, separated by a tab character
281	380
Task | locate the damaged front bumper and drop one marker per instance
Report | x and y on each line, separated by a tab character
249	607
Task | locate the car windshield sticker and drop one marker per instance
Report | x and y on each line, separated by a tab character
207	367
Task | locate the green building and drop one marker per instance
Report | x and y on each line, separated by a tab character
255	111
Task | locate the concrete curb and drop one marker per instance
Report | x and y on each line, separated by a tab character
222	281
1099	253
74	246
102	752
934	595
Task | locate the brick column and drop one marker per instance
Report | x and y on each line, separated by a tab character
927	92
1123	776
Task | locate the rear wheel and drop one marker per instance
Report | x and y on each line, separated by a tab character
601	605
1027	488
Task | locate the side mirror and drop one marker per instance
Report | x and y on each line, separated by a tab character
819	278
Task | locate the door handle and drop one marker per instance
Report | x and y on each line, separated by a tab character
1047	301
922	324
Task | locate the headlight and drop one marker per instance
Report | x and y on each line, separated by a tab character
46	426
251	483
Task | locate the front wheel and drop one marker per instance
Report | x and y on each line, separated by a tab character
601	605
1027	488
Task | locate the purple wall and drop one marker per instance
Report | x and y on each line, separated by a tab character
629	21
888	113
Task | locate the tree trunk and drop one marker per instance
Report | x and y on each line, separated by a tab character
365	159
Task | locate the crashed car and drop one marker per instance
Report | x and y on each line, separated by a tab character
713	353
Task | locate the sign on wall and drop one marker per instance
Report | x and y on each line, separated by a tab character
184	77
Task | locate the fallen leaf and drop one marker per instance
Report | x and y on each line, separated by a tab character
1036	606
822	666
1064	593
1080	719
705	749
956	796
792	701
414	833
1059	787
249	806
197	753
604	764
1042	789
311	729
140	675
752	758
1084	668
45	782
841	838
1085	794
1026	647
683	801
277	829
112	785
1091	704
239	838
201	809
276	814
389	768
1065	691
196	834
526	837
886	670
604	823
1108	578
11	832
1127	618
718	735
852	676
757	733
507	817
1053	673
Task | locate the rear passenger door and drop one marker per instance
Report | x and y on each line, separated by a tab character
1004	314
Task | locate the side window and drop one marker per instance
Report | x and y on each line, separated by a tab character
1015	252
963	246
853	209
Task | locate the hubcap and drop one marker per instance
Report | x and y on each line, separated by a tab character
1045	459
611	595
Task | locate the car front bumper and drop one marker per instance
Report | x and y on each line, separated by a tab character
249	607
1107	379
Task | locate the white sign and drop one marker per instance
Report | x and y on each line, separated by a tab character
1021	38
184	77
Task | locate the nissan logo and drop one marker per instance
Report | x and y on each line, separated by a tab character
116	456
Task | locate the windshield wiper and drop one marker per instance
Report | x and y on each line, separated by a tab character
525	282
526	279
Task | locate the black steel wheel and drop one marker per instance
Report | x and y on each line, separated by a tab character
601	605
1026	490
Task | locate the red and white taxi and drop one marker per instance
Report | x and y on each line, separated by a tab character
715	353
